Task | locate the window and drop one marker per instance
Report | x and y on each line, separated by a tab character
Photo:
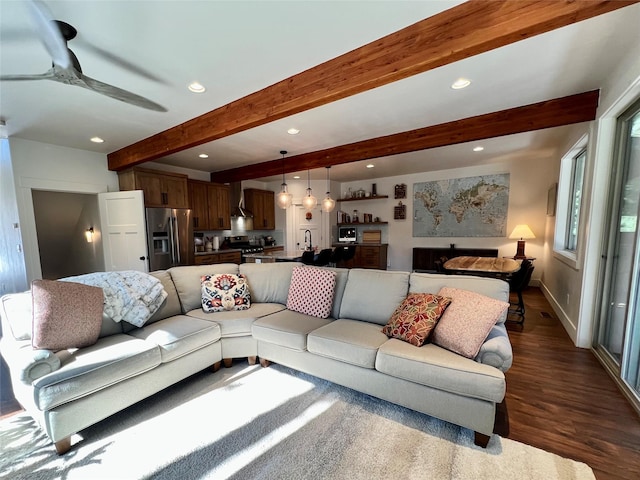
577	177
570	195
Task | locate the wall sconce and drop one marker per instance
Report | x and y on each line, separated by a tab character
522	232
88	235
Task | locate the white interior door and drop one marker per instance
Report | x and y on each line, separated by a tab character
312	226
124	236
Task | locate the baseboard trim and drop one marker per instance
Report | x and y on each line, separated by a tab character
567	323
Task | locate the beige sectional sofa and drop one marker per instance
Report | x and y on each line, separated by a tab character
69	390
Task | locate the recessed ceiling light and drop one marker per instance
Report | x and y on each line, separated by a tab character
97	140
371	165
478	148
293	131
296	177
460	83
203	155
196	87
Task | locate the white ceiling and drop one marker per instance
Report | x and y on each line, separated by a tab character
237	47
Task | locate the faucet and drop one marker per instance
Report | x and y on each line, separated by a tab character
305	239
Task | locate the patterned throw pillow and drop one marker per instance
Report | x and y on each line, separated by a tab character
465	325
225	291
311	291
65	314
416	317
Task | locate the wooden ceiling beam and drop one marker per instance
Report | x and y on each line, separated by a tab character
548	114
463	31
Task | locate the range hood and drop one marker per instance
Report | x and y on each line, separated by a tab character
241	218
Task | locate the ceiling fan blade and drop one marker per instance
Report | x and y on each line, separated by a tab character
49	33
119	61
49	74
118	93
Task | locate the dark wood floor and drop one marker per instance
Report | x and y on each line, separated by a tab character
561	399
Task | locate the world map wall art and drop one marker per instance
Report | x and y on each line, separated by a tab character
461	207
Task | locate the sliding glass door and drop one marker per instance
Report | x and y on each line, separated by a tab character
618	340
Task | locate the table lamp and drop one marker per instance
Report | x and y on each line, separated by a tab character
521	232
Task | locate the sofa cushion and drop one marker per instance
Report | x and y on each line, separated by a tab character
467	321
416	317
491	287
179	335
65	314
237	323
225	291
171	304
87	370
287	328
383	291
188	282
436	367
311	291
349	341
269	282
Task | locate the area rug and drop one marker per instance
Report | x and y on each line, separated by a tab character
271	423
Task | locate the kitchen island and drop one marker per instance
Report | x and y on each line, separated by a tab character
273	256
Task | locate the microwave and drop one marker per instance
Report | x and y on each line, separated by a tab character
346	234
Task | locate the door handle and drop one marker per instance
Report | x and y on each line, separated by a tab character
143	258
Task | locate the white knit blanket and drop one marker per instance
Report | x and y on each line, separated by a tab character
129	296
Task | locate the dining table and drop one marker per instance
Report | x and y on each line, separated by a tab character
485	266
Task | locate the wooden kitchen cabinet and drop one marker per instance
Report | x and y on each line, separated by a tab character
367	256
219	208
371	256
160	189
210	205
218	257
263	206
199	204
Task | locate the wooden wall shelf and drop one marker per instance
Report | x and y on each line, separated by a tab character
362	198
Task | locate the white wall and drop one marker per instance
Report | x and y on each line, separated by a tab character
49	167
13	275
530	180
573	293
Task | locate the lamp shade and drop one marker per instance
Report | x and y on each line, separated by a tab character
522	232
328	203
309	202
283	199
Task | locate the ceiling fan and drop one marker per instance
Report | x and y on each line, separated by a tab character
66	69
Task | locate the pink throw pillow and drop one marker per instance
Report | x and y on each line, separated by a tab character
65	314
311	291
465	324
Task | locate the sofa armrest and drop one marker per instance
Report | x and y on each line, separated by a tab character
26	363
496	349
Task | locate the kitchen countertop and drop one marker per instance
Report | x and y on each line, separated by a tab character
277	255
230	250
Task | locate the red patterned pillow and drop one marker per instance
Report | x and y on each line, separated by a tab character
225	291
416	317
65	314
311	291
465	325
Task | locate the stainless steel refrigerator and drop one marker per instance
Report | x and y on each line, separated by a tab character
169	237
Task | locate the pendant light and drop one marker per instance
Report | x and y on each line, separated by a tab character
328	204
284	197
309	202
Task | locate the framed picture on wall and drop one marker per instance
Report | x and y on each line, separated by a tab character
552	195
